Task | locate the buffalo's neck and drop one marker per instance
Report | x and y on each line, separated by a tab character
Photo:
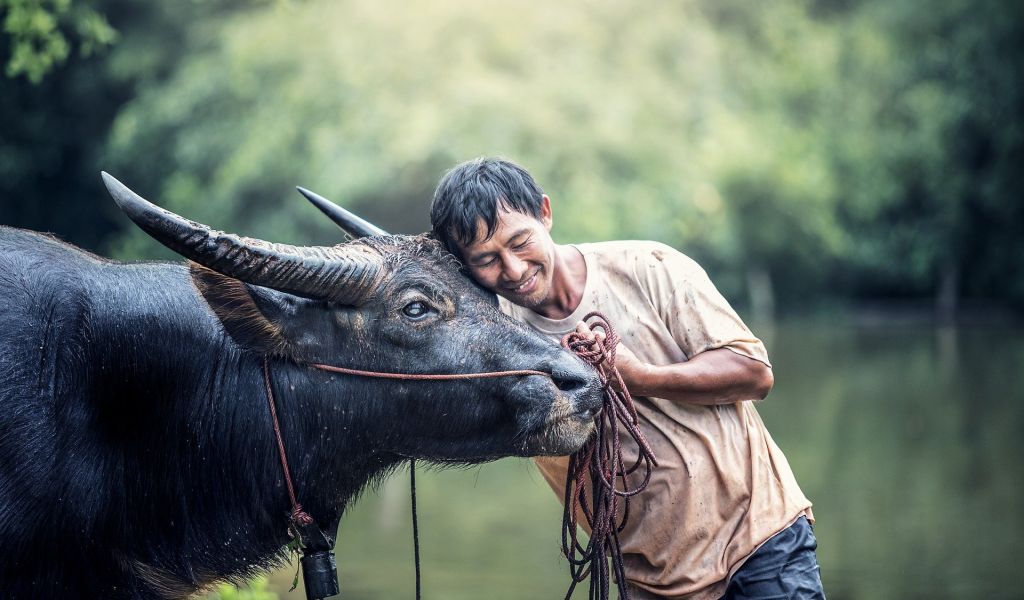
186	412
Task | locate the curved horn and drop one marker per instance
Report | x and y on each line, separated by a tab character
344	274
350	223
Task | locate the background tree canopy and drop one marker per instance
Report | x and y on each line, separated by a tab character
806	153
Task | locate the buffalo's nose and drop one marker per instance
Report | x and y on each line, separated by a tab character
572	375
570	382
580	382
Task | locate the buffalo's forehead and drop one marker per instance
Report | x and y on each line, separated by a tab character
418	256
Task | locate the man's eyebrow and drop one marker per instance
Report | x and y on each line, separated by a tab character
474	257
480	256
519	233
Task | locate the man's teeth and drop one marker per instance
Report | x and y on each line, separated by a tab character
526	283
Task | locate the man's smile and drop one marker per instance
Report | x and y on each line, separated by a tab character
526	286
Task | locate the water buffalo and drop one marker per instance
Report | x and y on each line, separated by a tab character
137	455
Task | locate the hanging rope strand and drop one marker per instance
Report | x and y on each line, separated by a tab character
415	524
597	467
299	516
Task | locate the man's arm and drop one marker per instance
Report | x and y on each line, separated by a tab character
718	376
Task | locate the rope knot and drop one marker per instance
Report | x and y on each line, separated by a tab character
300	517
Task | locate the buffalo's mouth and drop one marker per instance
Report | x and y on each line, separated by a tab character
567	426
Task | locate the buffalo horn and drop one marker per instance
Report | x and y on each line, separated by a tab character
344	274
350	223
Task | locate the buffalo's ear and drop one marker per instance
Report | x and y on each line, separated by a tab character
250	321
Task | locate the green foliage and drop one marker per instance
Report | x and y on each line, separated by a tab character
52	133
929	181
41	33
378	128
256	590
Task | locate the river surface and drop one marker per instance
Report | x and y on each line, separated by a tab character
908	439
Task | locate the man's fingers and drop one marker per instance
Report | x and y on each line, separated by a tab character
589	334
584	331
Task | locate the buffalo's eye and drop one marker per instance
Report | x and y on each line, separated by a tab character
416	310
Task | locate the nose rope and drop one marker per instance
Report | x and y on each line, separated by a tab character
427	376
601	458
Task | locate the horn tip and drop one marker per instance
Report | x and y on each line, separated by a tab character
308	194
117	190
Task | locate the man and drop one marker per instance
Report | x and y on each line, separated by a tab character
723	514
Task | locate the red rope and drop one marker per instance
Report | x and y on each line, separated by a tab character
431	377
600	458
299	516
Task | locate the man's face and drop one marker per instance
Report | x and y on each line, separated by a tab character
517	262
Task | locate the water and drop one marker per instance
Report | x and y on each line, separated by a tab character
907	438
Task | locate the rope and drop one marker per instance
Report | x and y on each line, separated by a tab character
426	376
298	516
600	460
415	524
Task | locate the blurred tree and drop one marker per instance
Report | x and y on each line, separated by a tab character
57	106
925	146
38	33
764	154
255	113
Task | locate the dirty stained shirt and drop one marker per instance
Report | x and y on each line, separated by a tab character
722	487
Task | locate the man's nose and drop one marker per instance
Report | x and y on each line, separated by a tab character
514	268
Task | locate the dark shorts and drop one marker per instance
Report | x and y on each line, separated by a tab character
784	567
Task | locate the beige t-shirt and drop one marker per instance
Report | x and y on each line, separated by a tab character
722	487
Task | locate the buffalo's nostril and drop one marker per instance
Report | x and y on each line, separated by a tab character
569	383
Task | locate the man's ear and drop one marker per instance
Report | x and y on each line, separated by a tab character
545	212
250	321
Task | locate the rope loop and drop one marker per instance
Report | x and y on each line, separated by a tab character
596	479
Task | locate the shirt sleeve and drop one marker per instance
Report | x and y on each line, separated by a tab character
696	313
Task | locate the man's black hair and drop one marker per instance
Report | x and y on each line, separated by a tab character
474	190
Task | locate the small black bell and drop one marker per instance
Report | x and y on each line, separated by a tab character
320	574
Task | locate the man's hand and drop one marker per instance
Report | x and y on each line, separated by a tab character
631	369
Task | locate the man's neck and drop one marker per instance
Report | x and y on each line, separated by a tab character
568	281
